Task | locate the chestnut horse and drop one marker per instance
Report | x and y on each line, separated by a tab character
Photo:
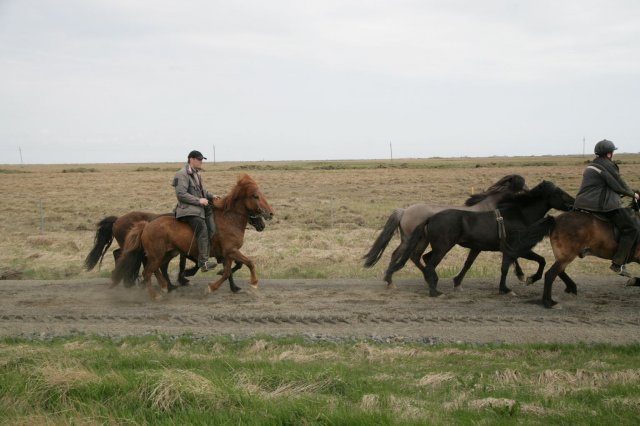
580	234
166	237
118	227
406	220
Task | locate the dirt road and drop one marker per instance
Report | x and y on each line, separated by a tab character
604	311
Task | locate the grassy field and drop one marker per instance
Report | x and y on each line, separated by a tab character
327	212
157	380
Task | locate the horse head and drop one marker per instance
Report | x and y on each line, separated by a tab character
247	192
557	197
509	184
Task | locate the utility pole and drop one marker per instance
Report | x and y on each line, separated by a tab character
214	154
583	144
391	150
20	150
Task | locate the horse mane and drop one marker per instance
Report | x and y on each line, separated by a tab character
509	183
524	198
238	191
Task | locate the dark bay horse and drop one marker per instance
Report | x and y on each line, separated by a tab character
165	237
580	234
525	224
114	227
406	220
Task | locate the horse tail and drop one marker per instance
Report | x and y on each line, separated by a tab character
102	242
375	253
528	238
406	249
128	265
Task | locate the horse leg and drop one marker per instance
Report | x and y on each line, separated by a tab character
226	273
116	254
193	270
504	270
429	271
232	284
518	270
471	257
417	253
570	286
549	277
531	255
182	280
392	261
149	269
165	276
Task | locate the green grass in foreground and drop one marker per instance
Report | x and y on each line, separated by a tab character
159	380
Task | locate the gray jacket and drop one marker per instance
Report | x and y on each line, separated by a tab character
602	187
189	190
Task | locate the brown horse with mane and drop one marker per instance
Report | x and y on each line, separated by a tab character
580	234
114	227
166	237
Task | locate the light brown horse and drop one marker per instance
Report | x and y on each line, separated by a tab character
165	237
580	234
406	220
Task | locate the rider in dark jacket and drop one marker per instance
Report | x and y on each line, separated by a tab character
192	207
601	189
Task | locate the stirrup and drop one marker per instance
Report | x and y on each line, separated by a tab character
208	265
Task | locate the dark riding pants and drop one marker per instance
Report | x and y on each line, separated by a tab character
203	230
623	220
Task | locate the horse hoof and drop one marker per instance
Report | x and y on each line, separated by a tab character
530	281
236	290
557	306
254	286
457	287
521	278
435	293
633	282
391	286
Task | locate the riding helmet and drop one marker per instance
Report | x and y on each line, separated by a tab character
603	147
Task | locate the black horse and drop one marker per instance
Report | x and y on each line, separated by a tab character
514	228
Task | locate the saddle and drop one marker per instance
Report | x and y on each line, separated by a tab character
597	215
616	231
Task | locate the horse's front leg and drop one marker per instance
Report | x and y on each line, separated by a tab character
239	257
226	273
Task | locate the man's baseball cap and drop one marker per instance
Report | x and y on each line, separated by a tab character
197	155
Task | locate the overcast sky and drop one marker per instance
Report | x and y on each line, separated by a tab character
147	81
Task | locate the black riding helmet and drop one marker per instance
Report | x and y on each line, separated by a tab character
604	147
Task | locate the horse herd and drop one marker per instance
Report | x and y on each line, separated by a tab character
509	218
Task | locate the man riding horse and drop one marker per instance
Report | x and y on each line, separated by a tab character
600	193
193	199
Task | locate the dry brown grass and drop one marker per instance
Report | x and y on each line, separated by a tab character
327	213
